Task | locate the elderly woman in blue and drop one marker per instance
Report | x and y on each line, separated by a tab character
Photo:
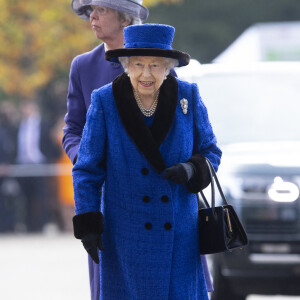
144	144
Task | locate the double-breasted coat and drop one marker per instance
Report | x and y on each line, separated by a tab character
151	248
91	71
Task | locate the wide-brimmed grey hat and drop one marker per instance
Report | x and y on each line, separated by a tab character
132	7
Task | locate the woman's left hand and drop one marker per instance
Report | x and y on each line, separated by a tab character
180	173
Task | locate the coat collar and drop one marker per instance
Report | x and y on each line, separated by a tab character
147	139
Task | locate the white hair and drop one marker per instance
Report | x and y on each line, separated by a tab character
123	16
170	63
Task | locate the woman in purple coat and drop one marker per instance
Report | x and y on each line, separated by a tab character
90	70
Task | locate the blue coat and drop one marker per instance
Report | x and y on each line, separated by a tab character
150	241
90	71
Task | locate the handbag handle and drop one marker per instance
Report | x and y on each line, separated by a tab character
212	190
214	178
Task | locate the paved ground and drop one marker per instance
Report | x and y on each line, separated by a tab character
40	267
50	267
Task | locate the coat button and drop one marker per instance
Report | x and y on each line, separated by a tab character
148	226
164	198
168	226
145	171
146	199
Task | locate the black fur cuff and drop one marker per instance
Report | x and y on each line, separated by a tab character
201	179
91	222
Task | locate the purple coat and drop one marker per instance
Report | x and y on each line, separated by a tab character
90	71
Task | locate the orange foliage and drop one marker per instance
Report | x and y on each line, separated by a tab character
39	38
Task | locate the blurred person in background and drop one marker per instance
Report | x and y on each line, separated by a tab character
36	145
90	71
64	182
10	198
146	136
9	119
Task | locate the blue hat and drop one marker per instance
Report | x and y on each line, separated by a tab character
148	40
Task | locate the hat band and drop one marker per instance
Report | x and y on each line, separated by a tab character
147	45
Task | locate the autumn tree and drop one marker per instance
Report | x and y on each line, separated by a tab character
38	40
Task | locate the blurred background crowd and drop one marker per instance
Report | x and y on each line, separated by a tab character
33	188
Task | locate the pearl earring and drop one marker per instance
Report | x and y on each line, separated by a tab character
128	75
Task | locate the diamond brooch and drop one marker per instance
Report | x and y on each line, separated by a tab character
184	105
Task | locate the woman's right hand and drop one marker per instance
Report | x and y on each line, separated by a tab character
88	227
92	243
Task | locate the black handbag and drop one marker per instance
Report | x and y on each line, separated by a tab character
220	229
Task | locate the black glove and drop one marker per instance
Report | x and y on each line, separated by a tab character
88	227
92	242
201	178
180	173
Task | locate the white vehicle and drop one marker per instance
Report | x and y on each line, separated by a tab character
255	113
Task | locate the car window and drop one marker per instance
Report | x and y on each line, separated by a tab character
252	107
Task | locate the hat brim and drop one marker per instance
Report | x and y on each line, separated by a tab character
182	57
130	7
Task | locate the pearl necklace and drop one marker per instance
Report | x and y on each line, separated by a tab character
146	112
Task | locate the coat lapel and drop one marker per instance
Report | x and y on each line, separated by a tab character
146	139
